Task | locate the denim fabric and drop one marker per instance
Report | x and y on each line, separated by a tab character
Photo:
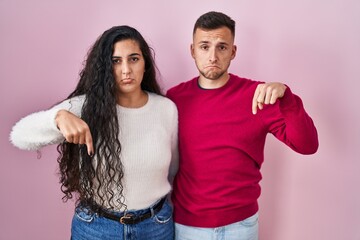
87	226
243	230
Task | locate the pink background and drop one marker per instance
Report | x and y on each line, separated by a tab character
313	46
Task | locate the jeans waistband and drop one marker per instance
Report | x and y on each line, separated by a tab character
129	218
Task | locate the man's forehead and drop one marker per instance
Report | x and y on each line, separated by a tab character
219	35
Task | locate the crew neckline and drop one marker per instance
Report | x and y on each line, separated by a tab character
213	89
139	109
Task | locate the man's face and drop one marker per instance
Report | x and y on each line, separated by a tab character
213	51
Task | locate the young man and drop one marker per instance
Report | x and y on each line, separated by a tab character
223	123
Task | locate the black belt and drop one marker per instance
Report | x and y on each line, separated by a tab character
129	218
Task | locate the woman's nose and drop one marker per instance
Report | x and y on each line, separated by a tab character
125	68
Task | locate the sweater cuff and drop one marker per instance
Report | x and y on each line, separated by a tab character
288	102
52	115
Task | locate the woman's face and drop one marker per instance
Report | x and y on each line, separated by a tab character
128	66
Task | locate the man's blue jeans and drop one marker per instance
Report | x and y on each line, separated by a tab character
87	226
244	230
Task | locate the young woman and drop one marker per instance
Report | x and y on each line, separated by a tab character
117	139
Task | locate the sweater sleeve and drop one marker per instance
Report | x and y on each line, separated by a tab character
292	125
39	129
174	164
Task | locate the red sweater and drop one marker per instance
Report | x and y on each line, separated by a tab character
221	146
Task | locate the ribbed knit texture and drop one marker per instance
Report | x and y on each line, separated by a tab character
221	146
148	136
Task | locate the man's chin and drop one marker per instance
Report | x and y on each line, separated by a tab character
213	75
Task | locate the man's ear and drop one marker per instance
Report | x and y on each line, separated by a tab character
233	52
192	50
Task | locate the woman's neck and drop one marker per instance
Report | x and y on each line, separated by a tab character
132	100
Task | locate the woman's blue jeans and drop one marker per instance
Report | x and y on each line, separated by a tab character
87	226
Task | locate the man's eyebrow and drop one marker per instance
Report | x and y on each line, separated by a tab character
219	43
201	42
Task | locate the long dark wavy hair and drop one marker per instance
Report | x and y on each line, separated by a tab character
81	174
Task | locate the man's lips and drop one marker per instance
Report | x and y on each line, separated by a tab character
212	66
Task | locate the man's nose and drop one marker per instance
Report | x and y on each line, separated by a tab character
213	56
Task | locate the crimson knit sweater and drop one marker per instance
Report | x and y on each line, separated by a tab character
221	146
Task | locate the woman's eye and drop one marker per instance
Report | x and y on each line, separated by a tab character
115	60
134	59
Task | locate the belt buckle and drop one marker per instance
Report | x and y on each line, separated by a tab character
125	218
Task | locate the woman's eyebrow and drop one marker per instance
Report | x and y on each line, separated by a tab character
130	55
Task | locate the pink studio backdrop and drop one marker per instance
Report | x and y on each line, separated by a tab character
313	46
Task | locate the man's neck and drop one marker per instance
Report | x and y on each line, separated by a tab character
206	83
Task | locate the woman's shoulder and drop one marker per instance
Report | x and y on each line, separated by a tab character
79	98
163	104
159	99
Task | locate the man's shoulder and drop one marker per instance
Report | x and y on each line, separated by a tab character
243	80
182	84
181	87
244	84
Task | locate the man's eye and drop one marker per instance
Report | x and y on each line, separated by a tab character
115	60
222	48
204	47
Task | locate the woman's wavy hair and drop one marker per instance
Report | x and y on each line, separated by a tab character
81	174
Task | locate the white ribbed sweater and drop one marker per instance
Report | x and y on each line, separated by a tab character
148	136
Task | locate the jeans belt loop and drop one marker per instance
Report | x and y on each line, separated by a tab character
152	211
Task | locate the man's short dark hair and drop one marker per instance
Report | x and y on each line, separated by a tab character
214	20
